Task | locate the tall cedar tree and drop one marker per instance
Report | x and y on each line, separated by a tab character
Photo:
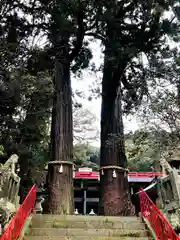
66	29
128	28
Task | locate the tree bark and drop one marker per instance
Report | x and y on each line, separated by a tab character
60	183
114	192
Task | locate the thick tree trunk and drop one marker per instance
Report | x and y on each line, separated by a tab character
114	192
59	180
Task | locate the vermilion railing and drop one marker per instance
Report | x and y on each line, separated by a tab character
160	225
13	230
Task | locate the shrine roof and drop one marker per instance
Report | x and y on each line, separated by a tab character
132	176
90	175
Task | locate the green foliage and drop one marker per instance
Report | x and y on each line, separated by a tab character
28	130
28	124
85	155
145	146
39	156
132	31
159	109
159	112
142	151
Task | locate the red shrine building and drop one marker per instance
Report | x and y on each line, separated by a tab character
86	187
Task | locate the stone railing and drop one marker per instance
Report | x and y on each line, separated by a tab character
9	189
169	197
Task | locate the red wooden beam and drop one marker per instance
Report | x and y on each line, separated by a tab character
95	175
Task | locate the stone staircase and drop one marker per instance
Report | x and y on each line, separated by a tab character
54	227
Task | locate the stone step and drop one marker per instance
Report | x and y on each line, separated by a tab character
80	218
91	222
69	232
83	238
87	224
